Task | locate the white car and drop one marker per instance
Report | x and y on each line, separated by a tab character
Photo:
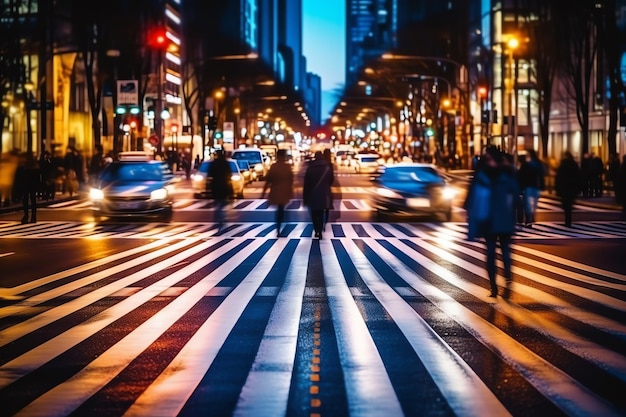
367	163
257	159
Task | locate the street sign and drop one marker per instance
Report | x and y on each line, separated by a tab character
154	140
127	92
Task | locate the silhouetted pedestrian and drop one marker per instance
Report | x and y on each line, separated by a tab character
279	181
221	185
48	176
329	158
490	206
96	164
620	187
316	192
531	181
28	184
596	173
567	184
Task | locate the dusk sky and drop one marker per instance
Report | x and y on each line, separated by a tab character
324	46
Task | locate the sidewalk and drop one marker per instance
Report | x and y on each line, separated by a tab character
17	207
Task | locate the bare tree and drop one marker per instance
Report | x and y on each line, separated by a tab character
544	54
579	59
607	32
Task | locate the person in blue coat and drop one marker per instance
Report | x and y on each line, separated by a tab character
490	207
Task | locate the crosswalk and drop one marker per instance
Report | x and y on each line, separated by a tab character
349	230
343	204
375	319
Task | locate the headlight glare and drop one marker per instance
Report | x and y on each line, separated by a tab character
386	192
96	194
160	194
448	193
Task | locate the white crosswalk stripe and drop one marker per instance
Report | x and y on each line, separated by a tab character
350	230
344	204
386	266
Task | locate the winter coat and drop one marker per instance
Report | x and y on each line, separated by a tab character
279	180
568	179
490	203
530	175
220	173
318	179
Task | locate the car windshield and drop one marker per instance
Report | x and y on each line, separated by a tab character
204	167
133	172
369	159
418	174
243	164
253	157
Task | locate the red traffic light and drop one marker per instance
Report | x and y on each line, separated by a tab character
158	38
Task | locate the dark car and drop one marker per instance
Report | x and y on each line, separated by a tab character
134	188
413	189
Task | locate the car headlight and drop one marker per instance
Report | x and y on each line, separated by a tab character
160	194
448	193
235	177
96	194
258	168
196	177
386	192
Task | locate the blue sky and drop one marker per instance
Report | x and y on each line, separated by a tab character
324	45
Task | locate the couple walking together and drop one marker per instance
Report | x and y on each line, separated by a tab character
316	192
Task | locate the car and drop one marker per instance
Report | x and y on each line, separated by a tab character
255	157
134	186
366	163
201	182
246	171
413	189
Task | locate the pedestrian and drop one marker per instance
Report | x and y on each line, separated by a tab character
612	172
96	164
531	181
568	184
490	206
28	184
221	186
596	172
620	187
279	181
316	191
48	173
329	158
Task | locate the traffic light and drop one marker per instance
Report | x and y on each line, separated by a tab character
218	135
157	38
212	123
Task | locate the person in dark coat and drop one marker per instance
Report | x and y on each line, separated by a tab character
620	187
48	175
568	184
279	181
221	186
490	206
96	164
531	181
316	191
28	184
